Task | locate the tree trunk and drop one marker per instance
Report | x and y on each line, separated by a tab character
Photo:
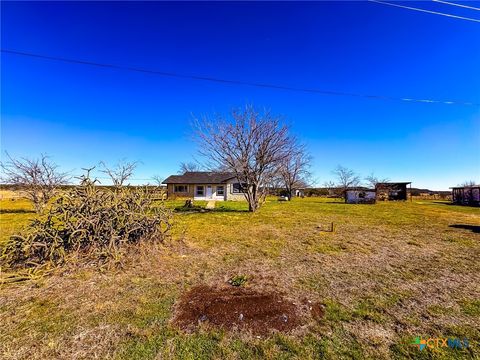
288	192
253	199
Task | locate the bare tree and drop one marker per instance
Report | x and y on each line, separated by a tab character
275	184
120	172
158	179
188	167
373	180
39	179
346	178
294	169
468	183
160	189
250	144
330	185
332	189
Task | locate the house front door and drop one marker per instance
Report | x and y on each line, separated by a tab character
208	194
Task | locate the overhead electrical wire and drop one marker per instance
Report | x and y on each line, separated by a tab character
109	178
455	4
425	11
234	82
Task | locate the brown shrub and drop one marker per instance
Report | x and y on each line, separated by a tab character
89	221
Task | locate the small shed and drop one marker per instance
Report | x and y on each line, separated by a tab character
360	196
299	192
466	195
392	191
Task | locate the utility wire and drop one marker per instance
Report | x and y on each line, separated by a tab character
108	178
426	11
459	5
233	82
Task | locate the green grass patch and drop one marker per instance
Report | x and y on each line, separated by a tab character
471	307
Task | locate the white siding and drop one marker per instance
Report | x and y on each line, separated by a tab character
214	195
360	196
231	195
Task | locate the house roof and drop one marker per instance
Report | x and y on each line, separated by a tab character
200	177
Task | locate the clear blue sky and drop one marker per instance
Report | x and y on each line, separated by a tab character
80	114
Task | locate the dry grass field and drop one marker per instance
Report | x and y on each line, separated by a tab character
388	273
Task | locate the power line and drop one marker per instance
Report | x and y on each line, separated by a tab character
233	82
426	11
109	178
459	5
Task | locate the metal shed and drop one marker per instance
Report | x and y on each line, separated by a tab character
392	191
466	195
360	196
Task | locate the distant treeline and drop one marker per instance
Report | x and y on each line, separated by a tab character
337	192
69	186
309	192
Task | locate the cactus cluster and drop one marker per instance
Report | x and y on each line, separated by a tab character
89	220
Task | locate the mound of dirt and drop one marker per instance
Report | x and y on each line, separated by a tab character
235	308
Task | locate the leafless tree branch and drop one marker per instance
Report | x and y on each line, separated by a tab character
248	143
468	183
346	178
39	178
373	180
120	172
188	167
294	169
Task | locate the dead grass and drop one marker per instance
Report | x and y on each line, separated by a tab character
390	272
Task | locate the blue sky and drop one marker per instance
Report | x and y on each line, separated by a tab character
80	114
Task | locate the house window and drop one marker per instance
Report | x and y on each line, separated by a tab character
200	190
180	188
220	191
238	188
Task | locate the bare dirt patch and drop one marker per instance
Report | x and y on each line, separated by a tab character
236	308
317	310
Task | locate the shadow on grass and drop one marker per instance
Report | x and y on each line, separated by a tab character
453	204
225	209
473	228
16	211
200	209
343	203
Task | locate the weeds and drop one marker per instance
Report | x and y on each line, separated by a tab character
88	221
238	280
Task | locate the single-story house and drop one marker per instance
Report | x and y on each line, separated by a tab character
360	195
204	185
466	195
392	191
